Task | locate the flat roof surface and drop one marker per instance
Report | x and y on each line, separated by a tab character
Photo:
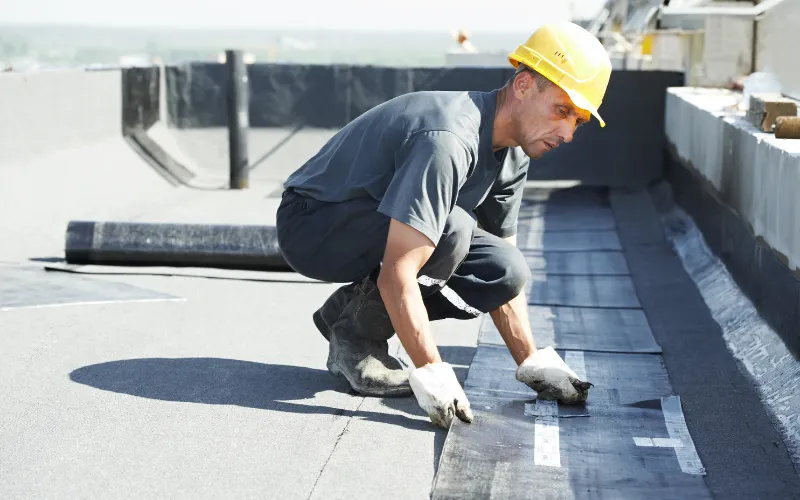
224	392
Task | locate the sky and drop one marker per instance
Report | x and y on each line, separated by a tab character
473	15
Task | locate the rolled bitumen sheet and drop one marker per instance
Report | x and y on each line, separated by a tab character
248	247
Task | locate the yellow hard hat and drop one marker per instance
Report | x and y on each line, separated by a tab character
570	57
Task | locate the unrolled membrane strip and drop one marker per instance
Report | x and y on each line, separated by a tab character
588	329
582	291
544	240
629	441
609	263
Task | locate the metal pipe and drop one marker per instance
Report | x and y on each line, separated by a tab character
238	119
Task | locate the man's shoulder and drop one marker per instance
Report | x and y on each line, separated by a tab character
442	96
447	104
435	106
457	113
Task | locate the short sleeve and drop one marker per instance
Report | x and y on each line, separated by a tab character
430	169
499	212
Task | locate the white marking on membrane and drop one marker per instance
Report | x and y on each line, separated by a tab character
449	294
658	442
546	446
687	456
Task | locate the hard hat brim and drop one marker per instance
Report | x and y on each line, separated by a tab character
583	103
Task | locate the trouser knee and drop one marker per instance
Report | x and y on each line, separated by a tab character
511	273
453	246
518	273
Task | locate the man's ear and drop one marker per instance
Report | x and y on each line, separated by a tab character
523	84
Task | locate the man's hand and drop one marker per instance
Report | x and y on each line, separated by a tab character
546	373
438	393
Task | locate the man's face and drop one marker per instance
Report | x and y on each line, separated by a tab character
544	119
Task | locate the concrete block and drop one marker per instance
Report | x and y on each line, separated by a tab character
765	108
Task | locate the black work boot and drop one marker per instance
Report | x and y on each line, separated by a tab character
328	314
359	348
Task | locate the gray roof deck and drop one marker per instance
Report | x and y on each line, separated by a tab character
224	393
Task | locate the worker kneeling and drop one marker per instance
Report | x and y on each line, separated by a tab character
414	204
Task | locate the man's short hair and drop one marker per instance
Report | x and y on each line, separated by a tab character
542	83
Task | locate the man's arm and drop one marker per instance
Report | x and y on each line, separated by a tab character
406	252
541	369
498	214
434	382
511	320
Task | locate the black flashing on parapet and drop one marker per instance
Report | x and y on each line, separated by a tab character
772	287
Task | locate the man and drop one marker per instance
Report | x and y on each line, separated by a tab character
415	203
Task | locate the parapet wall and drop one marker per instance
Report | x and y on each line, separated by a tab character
740	185
50	111
753	172
141	98
625	153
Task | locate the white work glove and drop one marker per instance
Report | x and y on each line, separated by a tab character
438	393
546	373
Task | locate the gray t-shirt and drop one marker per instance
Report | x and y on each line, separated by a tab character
420	155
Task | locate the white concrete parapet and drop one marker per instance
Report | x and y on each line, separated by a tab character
751	171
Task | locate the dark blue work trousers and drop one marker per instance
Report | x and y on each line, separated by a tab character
469	273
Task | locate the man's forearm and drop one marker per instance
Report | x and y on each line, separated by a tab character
511	320
409	317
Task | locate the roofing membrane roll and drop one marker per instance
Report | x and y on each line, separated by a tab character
249	247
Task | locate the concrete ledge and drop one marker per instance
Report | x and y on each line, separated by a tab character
739	185
751	171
